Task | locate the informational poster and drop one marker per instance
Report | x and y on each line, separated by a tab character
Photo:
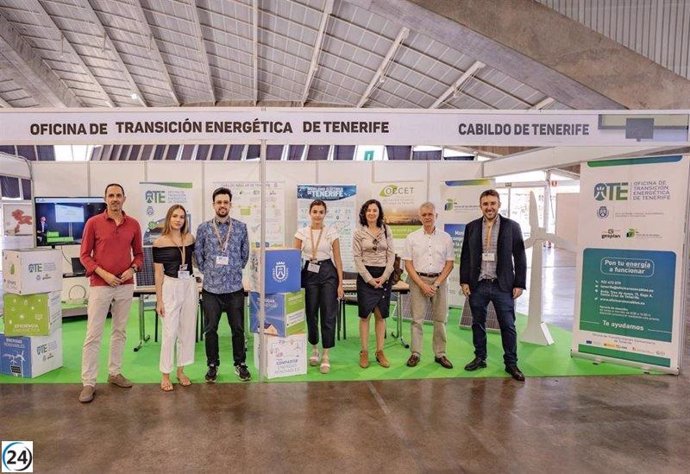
342	213
460	205
18	225
629	303
246	207
400	202
18	218
158	197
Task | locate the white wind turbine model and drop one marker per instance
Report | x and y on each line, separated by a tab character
537	332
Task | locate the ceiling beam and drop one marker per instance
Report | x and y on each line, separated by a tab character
153	47
476	66
30	72
548	158
379	74
109	45
255	49
568	49
201	47
4	103
543	103
318	45
452	23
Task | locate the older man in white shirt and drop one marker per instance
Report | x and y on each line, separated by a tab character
429	259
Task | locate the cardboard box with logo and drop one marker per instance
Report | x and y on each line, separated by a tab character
284	313
282	269
285	356
30	271
32	315
30	357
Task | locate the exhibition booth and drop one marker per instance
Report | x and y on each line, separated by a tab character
630	217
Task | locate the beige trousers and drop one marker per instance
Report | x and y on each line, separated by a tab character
439	310
119	299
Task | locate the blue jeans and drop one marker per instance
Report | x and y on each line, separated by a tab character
505	311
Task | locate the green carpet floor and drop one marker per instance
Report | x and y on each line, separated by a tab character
142	366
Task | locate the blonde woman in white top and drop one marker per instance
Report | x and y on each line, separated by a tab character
322	280
372	247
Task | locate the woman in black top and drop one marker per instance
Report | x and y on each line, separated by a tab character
176	294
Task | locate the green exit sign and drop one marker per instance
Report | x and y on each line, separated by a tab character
369	155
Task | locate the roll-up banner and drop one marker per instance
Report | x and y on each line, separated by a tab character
460	205
631	263
158	197
341	201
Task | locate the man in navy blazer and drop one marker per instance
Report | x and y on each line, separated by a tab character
493	267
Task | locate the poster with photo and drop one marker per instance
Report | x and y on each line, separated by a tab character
400	201
342	213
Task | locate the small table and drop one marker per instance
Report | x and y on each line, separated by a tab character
350	288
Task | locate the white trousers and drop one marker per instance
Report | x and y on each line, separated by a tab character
180	300
100	298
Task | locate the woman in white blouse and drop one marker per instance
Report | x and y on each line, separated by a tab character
372	246
322	280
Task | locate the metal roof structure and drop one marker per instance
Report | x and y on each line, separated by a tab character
412	54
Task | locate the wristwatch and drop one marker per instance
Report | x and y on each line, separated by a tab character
134	268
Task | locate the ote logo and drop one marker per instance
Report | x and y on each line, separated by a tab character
611	191
17	456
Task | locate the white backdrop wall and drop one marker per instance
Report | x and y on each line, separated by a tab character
90	179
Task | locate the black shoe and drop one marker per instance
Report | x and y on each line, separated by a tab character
443	360
477	363
243	372
211	374
515	373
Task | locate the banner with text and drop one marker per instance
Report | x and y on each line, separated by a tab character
629	303
246	207
460	205
400	202
158	197
342	212
332	126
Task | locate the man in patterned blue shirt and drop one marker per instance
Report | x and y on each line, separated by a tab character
221	251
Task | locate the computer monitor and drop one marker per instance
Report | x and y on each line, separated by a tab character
61	220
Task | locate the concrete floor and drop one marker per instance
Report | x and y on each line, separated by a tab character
585	424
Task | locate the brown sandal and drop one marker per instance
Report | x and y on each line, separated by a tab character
381	359
364	359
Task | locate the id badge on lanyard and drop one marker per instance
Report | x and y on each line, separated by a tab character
222	260
313	267
183	273
488	256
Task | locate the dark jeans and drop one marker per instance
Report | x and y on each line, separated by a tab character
505	311
214	305
321	297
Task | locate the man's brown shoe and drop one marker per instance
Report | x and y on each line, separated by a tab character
443	360
413	360
364	359
381	359
87	393
120	381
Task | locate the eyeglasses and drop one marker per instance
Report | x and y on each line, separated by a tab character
376	243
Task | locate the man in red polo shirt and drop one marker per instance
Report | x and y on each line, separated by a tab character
111	252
